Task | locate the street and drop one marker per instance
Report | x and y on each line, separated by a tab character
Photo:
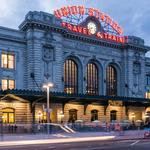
94	145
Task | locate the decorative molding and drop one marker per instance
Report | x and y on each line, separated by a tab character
115	103
48	53
79	37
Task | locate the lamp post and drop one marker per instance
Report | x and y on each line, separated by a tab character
47	87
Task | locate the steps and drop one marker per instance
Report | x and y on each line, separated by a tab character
64	128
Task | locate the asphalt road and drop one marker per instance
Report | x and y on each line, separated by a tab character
119	145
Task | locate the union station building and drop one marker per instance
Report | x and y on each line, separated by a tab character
97	73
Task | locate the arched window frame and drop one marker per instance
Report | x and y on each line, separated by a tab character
8	112
70	76
92	79
111	81
94	115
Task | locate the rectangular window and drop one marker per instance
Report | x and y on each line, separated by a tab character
8	61
147	95
147	79
8	84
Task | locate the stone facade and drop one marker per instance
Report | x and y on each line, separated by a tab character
41	47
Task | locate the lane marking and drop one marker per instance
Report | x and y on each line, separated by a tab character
61	135
135	142
52	147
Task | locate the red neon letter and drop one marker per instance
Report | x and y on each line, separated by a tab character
115	26
57	14
121	40
109	36
111	22
91	12
74	29
69	26
81	10
107	19
120	30
63	24
79	29
117	39
105	35
99	35
97	15
64	11
69	10
74	10
102	16
114	38
85	31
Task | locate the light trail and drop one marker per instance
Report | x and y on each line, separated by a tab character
52	141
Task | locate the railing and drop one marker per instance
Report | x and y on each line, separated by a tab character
34	128
66	128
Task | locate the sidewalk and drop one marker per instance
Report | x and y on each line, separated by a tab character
65	138
133	134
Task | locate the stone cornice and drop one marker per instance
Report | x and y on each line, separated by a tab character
12	39
136	47
76	36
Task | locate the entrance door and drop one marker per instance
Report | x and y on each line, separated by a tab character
147	120
72	115
113	115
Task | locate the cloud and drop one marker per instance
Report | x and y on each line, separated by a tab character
14	11
132	15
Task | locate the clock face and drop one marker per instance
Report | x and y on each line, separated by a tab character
92	27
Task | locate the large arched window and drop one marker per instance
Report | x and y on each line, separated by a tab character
94	115
70	77
8	115
92	79
111	81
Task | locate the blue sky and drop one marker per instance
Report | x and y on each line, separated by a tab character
132	15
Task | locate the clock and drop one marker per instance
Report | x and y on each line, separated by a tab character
92	27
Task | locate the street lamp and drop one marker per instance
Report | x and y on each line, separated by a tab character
47	87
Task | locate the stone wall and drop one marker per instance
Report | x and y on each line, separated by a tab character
22	111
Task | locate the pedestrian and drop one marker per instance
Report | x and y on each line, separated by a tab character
15	128
107	126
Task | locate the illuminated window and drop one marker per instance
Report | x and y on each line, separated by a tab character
147	79
94	115
8	115
8	61
111	81
8	84
91	79
70	77
147	95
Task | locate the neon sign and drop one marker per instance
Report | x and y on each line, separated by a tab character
73	16
85	31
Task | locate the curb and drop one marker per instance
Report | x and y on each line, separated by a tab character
126	139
